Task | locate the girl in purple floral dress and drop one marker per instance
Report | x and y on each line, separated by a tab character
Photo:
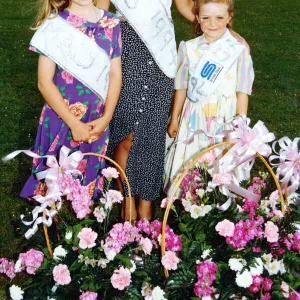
79	76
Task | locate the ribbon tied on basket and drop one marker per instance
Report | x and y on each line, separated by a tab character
288	165
52	202
248	142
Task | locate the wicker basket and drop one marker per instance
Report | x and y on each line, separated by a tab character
45	228
179	180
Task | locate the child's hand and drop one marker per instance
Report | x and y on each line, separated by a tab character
80	132
173	128
97	127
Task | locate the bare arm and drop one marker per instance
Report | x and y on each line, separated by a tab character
185	9
103	4
242	104
115	82
46	70
179	99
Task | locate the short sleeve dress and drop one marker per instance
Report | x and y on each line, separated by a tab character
53	133
208	115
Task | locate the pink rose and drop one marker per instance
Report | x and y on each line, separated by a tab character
67	77
54	144
225	228
78	109
82	166
75	20
61	274
271	232
121	279
110	173
108	33
208	157
170	260
87	238
88	296
146	245
222	178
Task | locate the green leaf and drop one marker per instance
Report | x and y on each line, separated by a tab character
183	227
81	92
46	125
141	273
47	119
76	265
88	92
78	87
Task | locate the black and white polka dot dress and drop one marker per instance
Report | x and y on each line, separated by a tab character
143	109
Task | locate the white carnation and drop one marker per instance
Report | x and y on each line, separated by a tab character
244	279
59	253
258	268
16	293
158	293
236	264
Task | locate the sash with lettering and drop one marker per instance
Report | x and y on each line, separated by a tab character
151	21
75	52
207	72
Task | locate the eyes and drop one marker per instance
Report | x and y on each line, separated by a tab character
206	18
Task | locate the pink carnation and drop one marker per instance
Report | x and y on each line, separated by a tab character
113	196
121	279
170	260
146	245
87	238
271	232
208	157
225	228
222	178
32	260
110	173
88	296
61	274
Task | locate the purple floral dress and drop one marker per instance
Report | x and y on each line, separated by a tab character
53	133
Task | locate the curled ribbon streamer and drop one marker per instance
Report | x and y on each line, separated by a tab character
224	206
288	166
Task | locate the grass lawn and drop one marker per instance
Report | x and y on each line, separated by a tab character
272	30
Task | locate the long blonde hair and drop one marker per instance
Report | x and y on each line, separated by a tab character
196	11
48	7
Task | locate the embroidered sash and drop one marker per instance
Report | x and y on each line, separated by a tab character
151	21
207	72
74	52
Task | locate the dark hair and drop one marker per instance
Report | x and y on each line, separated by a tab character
196	11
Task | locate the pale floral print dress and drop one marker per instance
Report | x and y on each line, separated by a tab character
208	115
53	133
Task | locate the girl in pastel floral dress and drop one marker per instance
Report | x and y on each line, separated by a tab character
79	76
214	79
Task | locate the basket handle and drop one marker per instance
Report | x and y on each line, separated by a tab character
178	181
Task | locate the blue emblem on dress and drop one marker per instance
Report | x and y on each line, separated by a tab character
208	70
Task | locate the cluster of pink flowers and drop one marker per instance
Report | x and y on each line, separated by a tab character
191	183
121	235
170	261
88	296
261	283
292	242
31	260
245	231
7	268
250	206
153	229
77	194
257	186
206	273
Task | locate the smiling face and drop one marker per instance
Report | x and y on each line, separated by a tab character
213	19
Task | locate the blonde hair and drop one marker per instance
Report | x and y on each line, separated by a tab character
51	7
196	11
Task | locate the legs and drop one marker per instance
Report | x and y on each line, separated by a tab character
144	207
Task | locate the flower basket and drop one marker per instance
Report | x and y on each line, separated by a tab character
176	184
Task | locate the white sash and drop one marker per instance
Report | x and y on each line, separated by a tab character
151	20
74	52
207	72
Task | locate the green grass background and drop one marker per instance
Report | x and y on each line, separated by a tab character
270	27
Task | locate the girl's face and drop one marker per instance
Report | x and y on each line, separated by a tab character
213	19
